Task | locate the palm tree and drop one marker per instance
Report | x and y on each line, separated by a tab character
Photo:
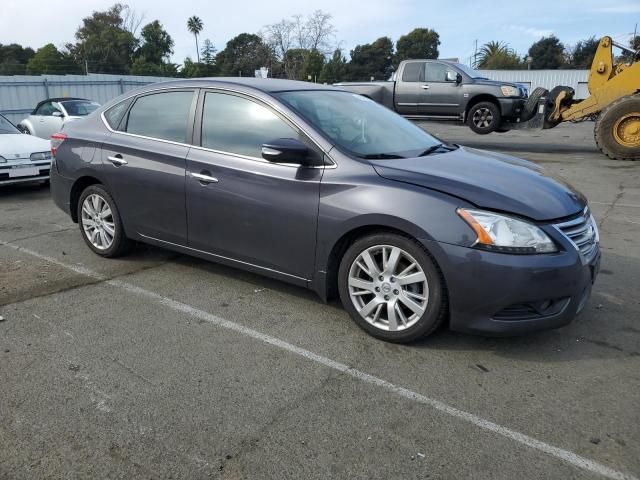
195	26
497	55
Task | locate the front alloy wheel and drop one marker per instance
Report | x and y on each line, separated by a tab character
391	287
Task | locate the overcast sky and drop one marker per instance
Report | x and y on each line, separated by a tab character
460	23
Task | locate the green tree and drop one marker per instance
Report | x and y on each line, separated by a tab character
371	60
313	64
104	43
547	53
157	44
334	70
293	63
498	56
419	43
581	55
243	55
141	66
49	60
14	58
208	53
634	44
195	26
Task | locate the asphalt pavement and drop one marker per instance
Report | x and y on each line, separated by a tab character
158	365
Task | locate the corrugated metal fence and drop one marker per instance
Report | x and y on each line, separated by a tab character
20	93
531	79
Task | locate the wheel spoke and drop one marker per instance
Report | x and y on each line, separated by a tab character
106	211
369	307
392	262
87	222
412	278
411	305
372	269
103	238
109	228
361	284
391	316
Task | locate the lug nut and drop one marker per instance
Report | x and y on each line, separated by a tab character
381	278
396	292
377	289
393	279
386	297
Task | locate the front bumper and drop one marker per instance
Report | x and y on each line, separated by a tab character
489	293
511	108
24	170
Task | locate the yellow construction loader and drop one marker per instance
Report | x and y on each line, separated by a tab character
614	103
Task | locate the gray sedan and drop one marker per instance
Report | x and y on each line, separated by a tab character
328	190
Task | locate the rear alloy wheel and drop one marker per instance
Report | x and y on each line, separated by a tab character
391	288
100	222
484	118
617	131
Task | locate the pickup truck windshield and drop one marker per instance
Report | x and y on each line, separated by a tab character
469	71
358	125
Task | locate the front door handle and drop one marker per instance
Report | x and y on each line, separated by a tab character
426	87
117	160
204	177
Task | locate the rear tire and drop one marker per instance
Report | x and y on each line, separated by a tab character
617	130
484	118
100	223
398	300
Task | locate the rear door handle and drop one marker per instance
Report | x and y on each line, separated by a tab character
426	87
117	160
204	178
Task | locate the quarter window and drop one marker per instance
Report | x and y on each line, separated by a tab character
238	125
412	72
161	115
114	114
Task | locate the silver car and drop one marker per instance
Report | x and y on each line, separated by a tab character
52	114
23	158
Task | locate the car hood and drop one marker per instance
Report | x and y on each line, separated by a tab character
489	180
19	145
496	83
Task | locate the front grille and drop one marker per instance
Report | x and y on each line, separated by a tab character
583	233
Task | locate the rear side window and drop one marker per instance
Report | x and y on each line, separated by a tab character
412	72
238	125
114	115
161	115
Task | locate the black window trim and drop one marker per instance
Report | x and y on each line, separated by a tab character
194	123
197	138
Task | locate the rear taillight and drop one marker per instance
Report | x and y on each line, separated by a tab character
56	141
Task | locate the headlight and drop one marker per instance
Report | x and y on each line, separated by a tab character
506	234
3	160
509	91
40	156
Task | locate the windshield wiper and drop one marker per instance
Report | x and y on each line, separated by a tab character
380	156
431	149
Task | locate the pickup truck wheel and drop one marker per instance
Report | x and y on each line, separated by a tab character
484	118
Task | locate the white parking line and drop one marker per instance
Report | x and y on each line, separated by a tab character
564	455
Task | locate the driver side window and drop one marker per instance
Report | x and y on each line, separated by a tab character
45	110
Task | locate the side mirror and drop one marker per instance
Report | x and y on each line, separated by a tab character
285	150
57	114
453	77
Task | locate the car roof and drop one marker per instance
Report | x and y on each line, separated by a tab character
268	85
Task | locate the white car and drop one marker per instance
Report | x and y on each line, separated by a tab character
50	115
23	158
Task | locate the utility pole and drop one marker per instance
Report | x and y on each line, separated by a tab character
86	67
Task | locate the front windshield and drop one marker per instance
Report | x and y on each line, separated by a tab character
79	108
469	71
6	126
358	125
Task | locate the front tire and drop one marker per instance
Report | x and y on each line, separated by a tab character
392	288
100	223
484	118
617	130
